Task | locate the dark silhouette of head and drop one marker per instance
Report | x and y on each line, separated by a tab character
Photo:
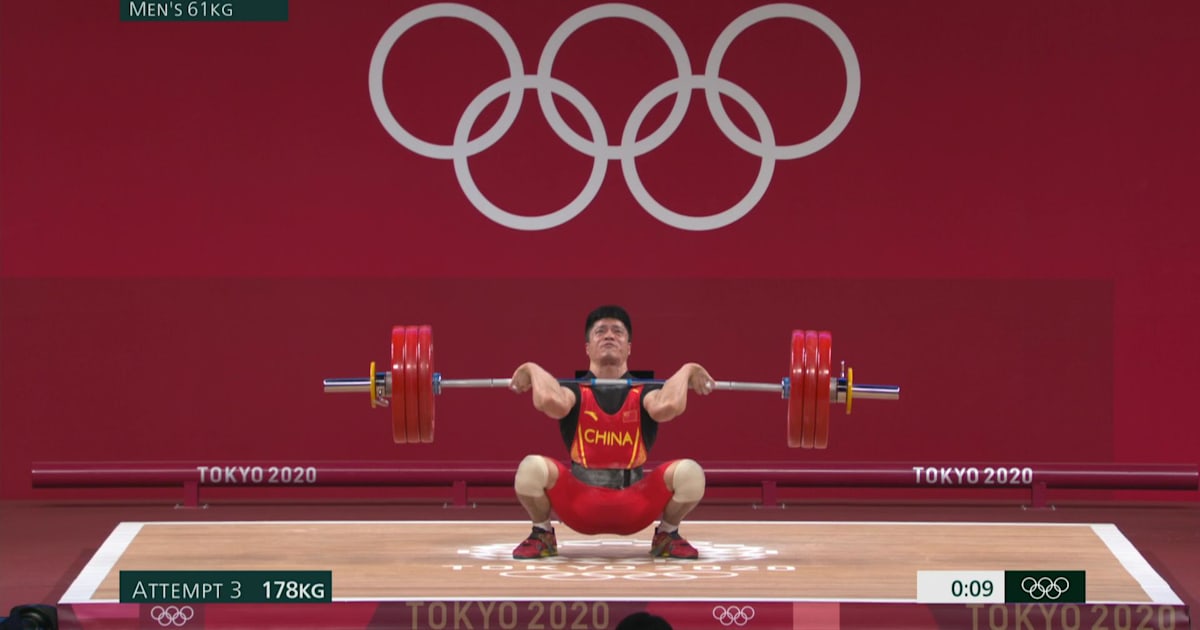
643	621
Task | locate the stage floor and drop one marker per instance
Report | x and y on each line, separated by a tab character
459	574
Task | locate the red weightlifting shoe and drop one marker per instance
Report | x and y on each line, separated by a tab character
540	544
672	545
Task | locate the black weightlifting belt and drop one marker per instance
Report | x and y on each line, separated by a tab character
616	478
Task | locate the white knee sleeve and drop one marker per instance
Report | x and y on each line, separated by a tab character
532	476
689	481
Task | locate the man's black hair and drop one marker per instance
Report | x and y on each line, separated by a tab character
608	311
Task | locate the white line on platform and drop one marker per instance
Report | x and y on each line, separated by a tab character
101	564
1136	565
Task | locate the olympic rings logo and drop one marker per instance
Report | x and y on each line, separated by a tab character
172	615
598	147
733	615
1045	588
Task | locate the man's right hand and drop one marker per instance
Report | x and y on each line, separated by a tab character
522	379
549	396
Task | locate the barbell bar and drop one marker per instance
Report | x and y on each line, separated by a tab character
411	384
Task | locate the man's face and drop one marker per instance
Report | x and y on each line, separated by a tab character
608	342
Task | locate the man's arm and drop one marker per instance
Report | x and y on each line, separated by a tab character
665	404
549	396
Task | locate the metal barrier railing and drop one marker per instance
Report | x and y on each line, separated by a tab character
769	476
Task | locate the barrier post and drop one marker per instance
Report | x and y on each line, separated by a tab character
191	494
770	494
1037	492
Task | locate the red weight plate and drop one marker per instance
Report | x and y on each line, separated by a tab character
824	363
399	423
425	376
411	387
810	389
795	410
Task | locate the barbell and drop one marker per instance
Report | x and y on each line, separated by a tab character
411	384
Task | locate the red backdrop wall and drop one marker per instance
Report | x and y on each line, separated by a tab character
201	220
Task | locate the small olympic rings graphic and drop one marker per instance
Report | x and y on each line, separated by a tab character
172	615
733	615
598	147
1045	588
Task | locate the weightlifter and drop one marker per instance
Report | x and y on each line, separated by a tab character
609	431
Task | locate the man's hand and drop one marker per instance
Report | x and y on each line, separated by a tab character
522	379
699	380
670	401
549	397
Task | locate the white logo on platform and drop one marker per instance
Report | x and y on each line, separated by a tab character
598	147
612	561
172	615
733	615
